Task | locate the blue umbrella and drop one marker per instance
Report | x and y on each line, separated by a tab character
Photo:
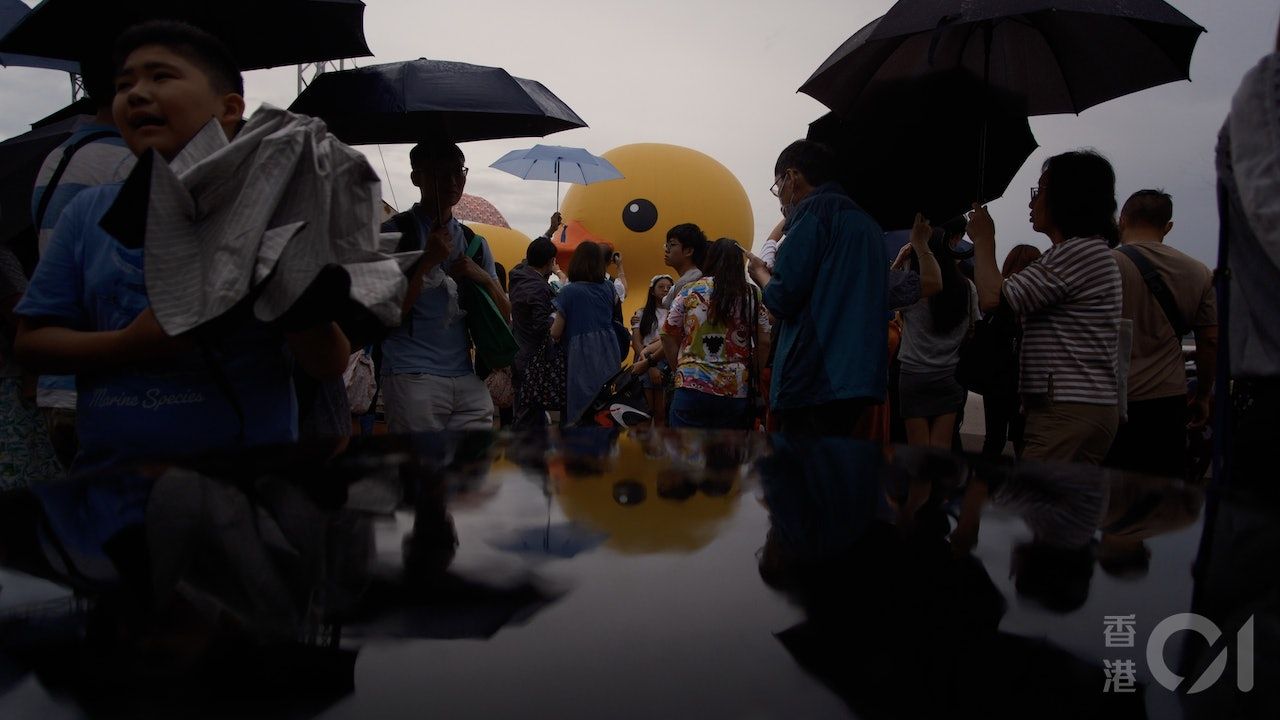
553	162
561	540
11	11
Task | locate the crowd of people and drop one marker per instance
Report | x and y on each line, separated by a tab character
1077	351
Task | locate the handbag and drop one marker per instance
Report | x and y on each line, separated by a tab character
360	382
989	359
543	382
490	333
500	391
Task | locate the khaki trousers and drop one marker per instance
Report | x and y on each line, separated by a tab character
1069	431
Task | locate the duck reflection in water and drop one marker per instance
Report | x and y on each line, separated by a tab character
897	621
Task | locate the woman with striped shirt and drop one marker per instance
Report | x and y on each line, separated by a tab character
1069	301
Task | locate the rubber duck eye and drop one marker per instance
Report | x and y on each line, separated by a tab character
639	215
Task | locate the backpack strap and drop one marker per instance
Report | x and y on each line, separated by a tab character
47	196
410	232
1160	289
475	250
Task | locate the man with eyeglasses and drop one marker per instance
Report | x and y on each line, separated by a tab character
428	380
827	290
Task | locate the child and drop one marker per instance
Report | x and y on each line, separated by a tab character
143	393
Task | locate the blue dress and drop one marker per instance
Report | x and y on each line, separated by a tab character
590	342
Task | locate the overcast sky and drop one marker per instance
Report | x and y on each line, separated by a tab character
720	76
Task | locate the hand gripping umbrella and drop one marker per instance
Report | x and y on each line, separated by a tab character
258	33
554	162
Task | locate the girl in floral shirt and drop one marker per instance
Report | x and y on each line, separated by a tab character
716	328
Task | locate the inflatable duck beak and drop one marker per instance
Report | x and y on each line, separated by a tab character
569	237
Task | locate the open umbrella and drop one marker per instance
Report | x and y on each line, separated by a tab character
1062	56
914	146
416	100
11	11
259	33
555	162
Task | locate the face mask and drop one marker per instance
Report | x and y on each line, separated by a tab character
788	210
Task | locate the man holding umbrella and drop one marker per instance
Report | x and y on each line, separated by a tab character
428	378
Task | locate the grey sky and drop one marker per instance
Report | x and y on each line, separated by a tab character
720	76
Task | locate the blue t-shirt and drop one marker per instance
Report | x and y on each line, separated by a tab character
86	280
586	307
424	342
101	161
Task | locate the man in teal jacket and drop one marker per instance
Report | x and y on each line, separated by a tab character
827	291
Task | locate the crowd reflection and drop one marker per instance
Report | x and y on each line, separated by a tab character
249	578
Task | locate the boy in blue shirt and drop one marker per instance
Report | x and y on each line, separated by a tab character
143	393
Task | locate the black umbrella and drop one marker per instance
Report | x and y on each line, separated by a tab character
259	33
416	100
11	11
914	146
1062	55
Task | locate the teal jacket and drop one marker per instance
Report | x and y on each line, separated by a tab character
828	295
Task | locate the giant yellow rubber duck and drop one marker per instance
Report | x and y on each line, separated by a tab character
663	186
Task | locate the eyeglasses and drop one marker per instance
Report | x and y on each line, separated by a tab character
776	188
1035	193
447	172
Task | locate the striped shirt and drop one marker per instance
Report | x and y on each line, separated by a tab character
1070	301
98	162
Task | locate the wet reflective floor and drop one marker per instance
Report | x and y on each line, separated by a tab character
650	574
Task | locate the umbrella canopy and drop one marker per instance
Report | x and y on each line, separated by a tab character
11	11
556	162
1062	55
916	146
416	100
561	540
259	33
473	208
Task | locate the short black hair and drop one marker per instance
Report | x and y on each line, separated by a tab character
191	43
1080	189
1153	208
815	161
540	252
99	78
691	237
431	153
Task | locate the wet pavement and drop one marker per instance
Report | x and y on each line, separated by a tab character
651	574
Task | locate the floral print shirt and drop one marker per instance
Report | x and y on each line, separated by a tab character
714	357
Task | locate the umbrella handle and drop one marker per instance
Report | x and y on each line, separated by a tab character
988	30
